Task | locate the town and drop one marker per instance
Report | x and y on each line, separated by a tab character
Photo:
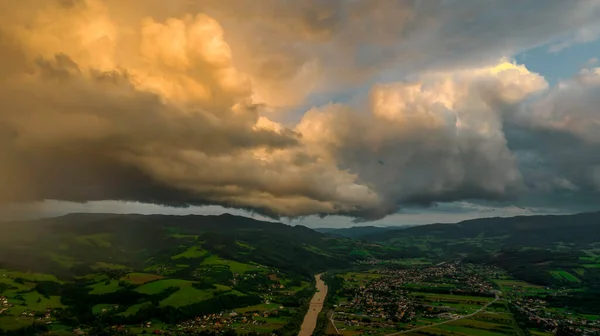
445	298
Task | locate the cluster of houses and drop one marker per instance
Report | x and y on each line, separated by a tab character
39	317
223	321
4	304
386	300
239	277
213	322
370	261
535	310
466	279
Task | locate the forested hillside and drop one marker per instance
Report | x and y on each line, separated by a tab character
70	245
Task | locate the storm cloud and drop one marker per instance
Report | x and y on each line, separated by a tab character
177	103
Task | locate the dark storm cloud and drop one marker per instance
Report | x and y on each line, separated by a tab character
558	167
557	143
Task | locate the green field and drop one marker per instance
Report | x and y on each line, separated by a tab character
186	295
360	253
36	301
132	310
140	278
564	275
99	240
413	262
355	276
62	260
108	266
193	252
479	324
102	308
11	287
244	245
453	298
425	286
505	318
234	266
461	330
259	308
271	324
4	274
486	324
515	283
61	330
158	286
183	236
591	317
591	265
15	322
104	287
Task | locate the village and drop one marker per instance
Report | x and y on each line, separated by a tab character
386	298
448	294
38	316
250	321
382	300
537	312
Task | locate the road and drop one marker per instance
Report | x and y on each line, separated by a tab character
316	304
332	313
456	319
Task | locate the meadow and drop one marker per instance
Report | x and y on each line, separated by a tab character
234	266
140	278
104	287
564	275
186	295
192	252
486	323
158	286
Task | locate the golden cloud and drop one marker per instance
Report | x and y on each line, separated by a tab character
166	103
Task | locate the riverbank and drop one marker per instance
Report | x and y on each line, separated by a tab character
316	304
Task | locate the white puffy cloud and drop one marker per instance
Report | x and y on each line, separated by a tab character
438	138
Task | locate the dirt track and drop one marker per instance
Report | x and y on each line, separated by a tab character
316	304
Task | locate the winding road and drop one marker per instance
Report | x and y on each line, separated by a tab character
316	304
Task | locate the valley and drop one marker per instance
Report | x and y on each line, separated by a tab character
314	307
300	168
102	274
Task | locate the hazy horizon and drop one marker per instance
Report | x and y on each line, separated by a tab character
313	223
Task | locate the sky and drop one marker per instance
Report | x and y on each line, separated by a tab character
320	113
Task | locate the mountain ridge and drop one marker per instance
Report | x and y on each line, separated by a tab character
494	225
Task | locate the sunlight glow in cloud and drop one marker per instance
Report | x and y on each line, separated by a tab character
177	104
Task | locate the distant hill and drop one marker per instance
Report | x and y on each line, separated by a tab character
534	248
72	244
358	232
101	270
540	230
77	244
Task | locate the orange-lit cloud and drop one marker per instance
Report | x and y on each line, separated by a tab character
172	103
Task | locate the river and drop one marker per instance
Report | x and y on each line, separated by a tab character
316	304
